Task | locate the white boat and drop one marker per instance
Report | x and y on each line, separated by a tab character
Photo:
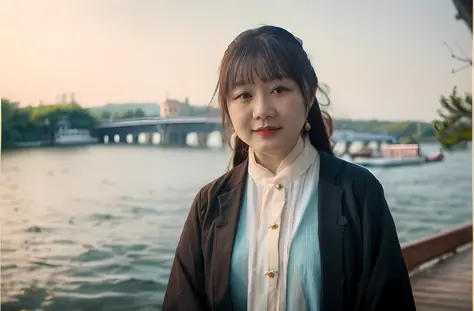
393	155
68	137
388	162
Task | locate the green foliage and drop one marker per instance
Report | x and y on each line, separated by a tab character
28	124
455	123
133	113
128	114
117	111
419	131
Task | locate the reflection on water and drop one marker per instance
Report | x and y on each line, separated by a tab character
95	228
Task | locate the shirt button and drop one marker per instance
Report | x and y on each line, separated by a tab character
278	186
270	273
274	226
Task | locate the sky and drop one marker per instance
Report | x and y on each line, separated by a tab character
382	59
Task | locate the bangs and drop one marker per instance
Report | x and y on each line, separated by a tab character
263	57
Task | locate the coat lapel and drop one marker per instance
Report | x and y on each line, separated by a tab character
331	229
224	234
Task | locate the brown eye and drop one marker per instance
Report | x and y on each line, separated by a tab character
243	96
279	89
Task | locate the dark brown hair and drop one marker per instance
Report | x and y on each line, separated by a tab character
271	53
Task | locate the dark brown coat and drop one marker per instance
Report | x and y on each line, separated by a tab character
361	258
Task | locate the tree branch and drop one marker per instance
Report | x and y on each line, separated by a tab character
466	60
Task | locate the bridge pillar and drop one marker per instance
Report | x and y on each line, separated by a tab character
182	139
122	138
165	138
170	138
135	139
148	138
202	139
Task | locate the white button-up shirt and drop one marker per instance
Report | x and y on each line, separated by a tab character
275	206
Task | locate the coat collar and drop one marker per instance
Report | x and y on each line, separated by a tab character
331	228
330	167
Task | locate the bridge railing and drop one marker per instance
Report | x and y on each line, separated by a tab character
147	121
432	248
131	119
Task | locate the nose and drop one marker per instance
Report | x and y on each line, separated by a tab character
263	108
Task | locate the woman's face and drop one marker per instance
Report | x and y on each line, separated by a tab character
268	115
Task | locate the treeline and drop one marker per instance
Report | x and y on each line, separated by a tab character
31	124
117	110
420	130
106	115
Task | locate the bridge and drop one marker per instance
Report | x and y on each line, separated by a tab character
158	121
172	131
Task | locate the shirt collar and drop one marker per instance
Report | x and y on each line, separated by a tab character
295	164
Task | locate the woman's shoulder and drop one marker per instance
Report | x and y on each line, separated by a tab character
360	188
345	171
209	193
349	177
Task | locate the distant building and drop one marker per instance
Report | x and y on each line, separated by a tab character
66	98
175	108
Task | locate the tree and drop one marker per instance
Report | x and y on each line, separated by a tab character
13	120
464	8
455	123
105	115
465	60
27	124
139	113
129	114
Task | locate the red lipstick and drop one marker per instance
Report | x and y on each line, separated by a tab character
266	131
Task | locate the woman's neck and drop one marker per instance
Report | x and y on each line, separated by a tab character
268	161
273	161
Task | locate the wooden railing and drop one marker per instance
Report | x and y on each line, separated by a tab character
419	252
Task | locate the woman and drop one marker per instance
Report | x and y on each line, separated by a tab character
290	226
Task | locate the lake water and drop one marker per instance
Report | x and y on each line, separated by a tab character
95	228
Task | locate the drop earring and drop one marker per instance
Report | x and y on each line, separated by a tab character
307	126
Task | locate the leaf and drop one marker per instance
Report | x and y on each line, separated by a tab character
455	123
